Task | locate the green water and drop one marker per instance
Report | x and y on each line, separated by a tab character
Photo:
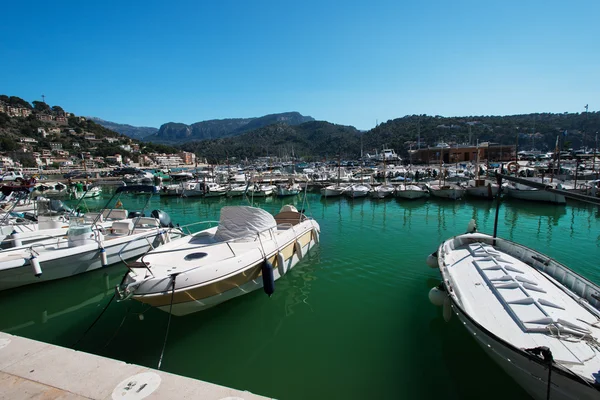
351	321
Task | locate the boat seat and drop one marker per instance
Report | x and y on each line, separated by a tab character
91	217
289	217
146	222
122	227
115	213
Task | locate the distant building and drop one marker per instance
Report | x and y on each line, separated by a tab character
42	132
55	146
462	153
111	139
27	140
44	117
187	157
89	136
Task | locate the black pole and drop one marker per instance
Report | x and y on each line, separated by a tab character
498	197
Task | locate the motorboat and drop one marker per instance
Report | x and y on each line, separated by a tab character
411	192
236	190
536	318
358	190
248	249
90	243
90	193
260	190
524	192
482	188
288	189
382	191
447	191
202	189
333	190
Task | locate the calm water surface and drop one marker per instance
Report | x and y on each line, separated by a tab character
351	321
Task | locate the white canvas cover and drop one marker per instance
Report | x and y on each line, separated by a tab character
238	222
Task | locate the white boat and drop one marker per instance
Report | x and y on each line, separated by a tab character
86	247
382	191
92	192
411	191
448	191
534	317
482	189
333	190
237	190
288	189
524	192
260	190
249	249
358	190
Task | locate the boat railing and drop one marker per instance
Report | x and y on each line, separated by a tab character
188	232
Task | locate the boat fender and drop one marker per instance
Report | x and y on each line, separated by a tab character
103	257
315	236
298	249
35	266
447	309
432	260
16	239
268	278
280	260
437	296
167	238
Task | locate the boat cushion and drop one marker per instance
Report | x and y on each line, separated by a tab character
122	227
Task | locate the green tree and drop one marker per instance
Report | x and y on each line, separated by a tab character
41	107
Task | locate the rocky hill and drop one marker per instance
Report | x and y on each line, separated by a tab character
173	132
314	140
134	132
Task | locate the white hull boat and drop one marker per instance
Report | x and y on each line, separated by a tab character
453	192
236	190
291	189
534	317
357	191
249	249
333	190
523	192
261	190
86	247
382	191
482	189
410	192
88	194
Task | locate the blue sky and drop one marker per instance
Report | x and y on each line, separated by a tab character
352	63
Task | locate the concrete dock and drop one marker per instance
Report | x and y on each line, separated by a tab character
34	370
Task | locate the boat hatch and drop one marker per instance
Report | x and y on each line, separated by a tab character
195	256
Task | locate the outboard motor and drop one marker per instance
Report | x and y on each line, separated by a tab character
135	214
163	218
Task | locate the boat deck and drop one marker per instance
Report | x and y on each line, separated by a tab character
524	307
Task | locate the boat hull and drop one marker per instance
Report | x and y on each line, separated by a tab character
536	195
67	261
483	192
529	373
237	275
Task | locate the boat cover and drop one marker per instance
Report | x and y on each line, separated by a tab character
243	222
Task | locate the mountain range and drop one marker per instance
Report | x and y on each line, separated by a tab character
174	132
134	132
